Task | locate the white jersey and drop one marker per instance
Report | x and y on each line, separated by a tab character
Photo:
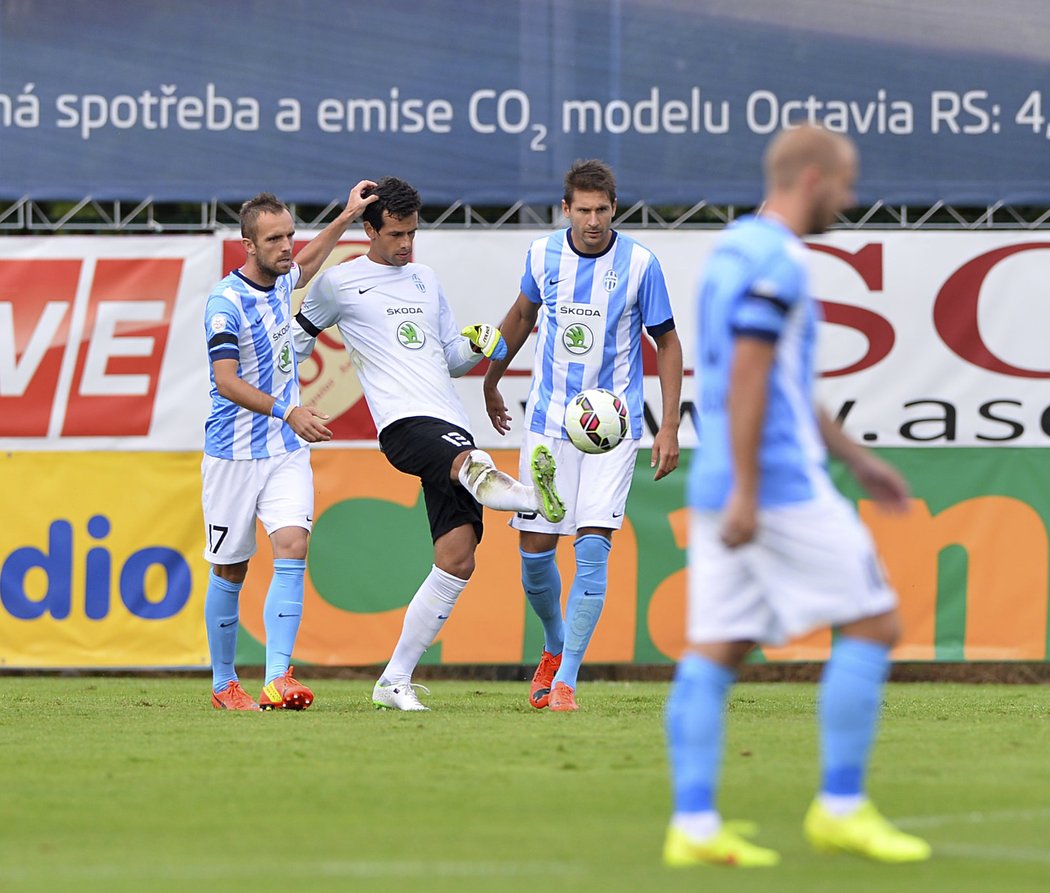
400	334
246	322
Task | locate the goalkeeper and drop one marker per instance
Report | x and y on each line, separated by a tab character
406	346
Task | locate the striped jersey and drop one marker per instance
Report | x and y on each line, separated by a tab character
756	285
400	334
245	322
592	309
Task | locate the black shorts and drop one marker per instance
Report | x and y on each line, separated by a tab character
426	448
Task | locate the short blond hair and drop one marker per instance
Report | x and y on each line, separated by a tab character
791	151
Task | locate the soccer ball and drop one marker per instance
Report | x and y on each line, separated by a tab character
596	420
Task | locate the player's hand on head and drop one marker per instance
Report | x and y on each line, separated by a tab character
308	423
486	339
497	410
357	201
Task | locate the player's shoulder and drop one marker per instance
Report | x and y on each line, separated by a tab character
345	271
628	243
763	238
556	239
230	290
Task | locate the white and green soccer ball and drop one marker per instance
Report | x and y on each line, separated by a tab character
596	420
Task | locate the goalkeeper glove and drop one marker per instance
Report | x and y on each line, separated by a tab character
486	339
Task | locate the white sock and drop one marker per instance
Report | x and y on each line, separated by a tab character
427	612
493	488
841	805
698	825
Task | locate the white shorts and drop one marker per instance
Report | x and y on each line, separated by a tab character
811	565
594	487
279	491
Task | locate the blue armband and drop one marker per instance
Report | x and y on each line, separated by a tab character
281	410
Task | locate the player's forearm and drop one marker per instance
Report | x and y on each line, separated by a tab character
238	391
515	329
314	254
669	371
839	444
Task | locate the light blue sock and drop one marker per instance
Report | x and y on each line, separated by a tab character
695	724
850	698
542	584
282	614
221	622
586	600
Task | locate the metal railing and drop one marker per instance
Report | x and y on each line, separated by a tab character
89	215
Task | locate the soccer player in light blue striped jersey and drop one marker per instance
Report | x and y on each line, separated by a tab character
774	550
255	462
592	291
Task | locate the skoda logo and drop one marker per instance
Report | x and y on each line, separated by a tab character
410	336
284	360
577	338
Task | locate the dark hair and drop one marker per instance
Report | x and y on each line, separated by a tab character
590	176
263	203
396	197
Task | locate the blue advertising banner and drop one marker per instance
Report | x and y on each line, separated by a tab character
489	102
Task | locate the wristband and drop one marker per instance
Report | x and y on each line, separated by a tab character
281	410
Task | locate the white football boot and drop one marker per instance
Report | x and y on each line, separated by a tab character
398	696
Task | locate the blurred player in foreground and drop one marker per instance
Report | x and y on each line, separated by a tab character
405	344
593	291
774	549
255	461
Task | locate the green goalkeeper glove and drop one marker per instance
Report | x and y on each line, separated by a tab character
487	340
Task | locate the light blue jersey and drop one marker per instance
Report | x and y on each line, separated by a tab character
755	285
251	324
593	307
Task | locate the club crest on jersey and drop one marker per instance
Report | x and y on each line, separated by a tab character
218	323
577	338
419	283
284	359
609	280
410	336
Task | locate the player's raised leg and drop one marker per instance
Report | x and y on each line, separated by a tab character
497	490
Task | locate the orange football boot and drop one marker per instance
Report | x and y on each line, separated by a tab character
543	678
285	693
563	698
233	697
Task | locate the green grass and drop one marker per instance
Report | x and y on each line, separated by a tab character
114	784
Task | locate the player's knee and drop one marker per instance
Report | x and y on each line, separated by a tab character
882	628
232	573
474	466
461	566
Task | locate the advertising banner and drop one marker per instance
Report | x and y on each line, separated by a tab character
488	103
100	560
107	571
931	350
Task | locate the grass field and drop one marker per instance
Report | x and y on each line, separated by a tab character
114	784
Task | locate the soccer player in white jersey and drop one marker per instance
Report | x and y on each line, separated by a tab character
404	342
774	549
593	290
256	464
